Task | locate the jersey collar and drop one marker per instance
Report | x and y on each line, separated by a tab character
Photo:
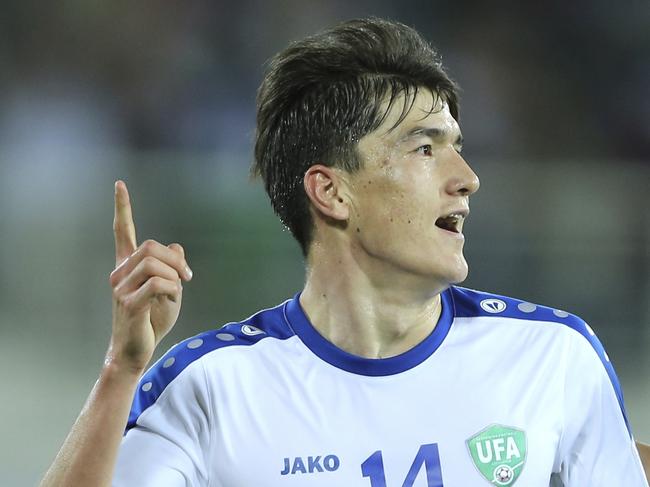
327	351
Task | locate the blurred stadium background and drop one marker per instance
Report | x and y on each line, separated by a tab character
556	117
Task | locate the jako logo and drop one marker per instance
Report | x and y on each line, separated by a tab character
314	464
493	305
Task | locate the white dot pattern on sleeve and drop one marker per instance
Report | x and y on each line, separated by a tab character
527	307
146	387
169	362
196	343
226	337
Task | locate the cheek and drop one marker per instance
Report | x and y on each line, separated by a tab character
397	198
379	201
391	209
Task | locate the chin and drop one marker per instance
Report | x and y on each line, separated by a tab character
443	274
457	273
459	277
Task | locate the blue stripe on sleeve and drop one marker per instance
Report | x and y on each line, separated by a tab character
469	303
264	324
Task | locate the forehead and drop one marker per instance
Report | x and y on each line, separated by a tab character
426	110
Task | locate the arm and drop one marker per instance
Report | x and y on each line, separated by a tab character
597	448
147	296
644	453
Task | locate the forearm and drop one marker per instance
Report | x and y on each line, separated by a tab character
146	294
644	453
89	453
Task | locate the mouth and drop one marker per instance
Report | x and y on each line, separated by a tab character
452	222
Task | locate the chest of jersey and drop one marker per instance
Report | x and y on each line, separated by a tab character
477	412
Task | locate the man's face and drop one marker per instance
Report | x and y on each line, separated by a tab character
410	198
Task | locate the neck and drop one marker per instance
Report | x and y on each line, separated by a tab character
366	311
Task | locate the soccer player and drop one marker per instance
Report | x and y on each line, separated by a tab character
380	372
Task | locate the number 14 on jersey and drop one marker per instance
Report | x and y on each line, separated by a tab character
427	457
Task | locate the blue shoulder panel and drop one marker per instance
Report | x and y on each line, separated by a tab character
264	324
470	303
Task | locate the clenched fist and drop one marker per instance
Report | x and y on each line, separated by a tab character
147	289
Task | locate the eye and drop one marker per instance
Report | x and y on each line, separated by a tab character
425	150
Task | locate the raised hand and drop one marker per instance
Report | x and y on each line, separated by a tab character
147	289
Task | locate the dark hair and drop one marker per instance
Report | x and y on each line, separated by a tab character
322	94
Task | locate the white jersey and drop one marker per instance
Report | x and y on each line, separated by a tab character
502	392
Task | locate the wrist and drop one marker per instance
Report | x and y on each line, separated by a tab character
125	360
114	368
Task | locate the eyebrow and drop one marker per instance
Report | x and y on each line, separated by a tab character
431	132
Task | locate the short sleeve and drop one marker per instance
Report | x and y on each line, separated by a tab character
597	448
168	434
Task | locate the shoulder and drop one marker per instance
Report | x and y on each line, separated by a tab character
265	324
586	352
517	315
470	303
183	361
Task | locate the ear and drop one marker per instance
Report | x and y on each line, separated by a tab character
325	190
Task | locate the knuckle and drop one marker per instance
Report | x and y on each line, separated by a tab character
175	258
112	278
127	302
115	275
148	263
178	289
120	298
120	227
156	284
149	245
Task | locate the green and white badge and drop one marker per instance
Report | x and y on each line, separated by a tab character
499	453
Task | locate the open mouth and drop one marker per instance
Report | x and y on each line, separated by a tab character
451	223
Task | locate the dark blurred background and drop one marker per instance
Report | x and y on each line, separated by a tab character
555	113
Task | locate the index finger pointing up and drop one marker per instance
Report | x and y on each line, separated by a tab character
123	226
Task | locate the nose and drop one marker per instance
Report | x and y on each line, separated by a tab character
463	180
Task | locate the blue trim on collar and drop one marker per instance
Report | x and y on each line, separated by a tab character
330	353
